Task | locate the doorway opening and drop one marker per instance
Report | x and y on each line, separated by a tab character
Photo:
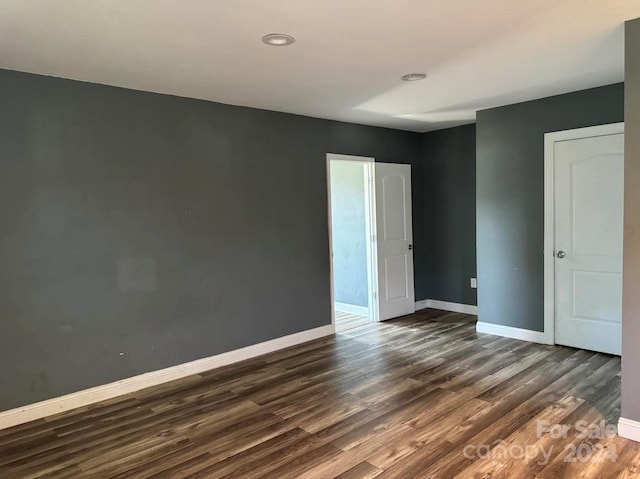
351	209
370	240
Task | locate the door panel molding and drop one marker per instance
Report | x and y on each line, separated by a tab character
550	139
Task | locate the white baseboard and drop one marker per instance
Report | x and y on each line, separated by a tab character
85	397
629	429
511	332
352	309
446	306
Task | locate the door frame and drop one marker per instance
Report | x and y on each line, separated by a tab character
370	228
550	139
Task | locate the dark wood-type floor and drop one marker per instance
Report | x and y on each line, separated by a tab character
402	399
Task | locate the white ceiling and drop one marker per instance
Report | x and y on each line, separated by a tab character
348	58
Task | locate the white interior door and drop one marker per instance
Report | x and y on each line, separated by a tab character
589	182
394	240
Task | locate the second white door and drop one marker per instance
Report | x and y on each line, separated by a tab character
394	240
589	182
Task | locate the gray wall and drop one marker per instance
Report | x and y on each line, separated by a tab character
449	209
348	228
510	197
140	231
631	295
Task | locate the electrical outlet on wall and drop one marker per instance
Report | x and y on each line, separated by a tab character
474	283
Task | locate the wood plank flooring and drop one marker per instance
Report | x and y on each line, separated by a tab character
347	321
420	397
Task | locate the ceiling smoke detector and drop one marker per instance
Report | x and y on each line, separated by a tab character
414	76
278	39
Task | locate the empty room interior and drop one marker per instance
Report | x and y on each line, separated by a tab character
320	239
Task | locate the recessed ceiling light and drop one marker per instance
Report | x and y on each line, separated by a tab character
278	39
414	76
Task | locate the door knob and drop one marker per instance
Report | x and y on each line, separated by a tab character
561	254
410	246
